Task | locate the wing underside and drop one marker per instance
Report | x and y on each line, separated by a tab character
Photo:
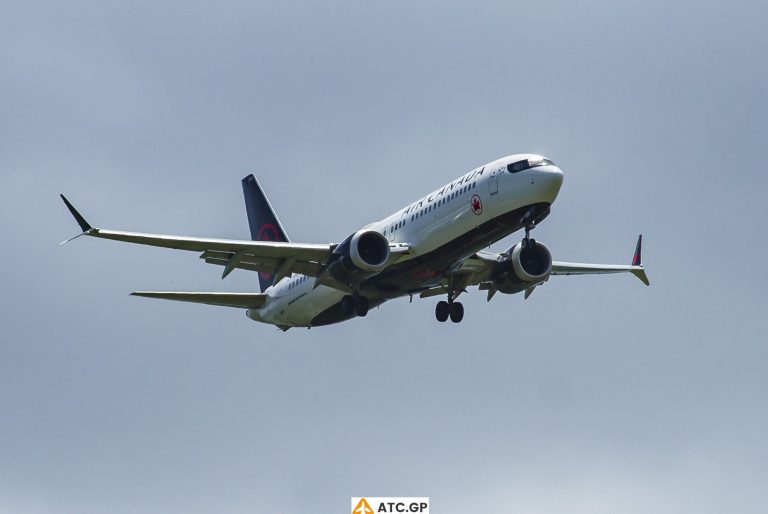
478	270
238	300
578	268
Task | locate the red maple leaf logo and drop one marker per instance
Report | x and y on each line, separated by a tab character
477	205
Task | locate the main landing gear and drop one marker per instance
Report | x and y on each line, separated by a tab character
454	310
356	304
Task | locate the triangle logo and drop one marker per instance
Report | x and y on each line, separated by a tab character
362	507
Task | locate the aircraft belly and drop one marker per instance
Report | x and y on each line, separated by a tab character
428	268
300	310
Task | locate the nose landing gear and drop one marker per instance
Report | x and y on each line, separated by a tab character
528	241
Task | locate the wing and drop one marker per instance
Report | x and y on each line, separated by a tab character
477	269
579	268
473	271
239	300
277	258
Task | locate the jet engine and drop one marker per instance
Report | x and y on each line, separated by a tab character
525	267
361	255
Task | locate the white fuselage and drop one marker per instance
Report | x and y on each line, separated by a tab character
434	220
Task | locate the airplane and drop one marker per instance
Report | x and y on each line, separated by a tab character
433	247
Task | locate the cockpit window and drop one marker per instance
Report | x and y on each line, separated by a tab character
518	166
540	161
525	164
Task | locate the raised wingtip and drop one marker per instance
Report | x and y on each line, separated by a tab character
637	259
78	217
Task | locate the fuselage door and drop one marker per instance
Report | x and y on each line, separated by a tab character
493	182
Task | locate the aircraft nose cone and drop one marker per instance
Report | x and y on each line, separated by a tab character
550	178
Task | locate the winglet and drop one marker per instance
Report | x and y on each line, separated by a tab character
637	260
78	217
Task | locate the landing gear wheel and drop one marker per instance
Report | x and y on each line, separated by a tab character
442	311
361	306
457	312
348	304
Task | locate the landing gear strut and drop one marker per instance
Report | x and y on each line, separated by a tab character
528	241
454	310
530	224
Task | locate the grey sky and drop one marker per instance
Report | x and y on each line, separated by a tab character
597	395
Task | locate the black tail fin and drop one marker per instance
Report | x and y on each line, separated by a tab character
262	220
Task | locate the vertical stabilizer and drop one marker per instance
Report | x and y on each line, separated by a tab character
262	220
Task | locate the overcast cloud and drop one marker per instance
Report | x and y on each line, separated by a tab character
596	395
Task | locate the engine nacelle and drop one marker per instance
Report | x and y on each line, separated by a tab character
369	251
361	255
524	268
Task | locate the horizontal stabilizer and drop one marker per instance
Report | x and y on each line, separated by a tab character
238	300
